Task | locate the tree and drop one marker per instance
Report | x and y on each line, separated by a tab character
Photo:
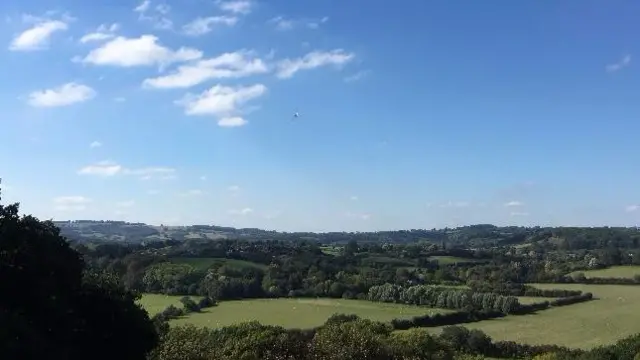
50	309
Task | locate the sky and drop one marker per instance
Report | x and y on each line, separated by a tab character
419	114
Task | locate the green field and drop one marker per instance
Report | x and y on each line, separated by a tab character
290	313
155	303
331	250
205	263
612	316
613	272
445	260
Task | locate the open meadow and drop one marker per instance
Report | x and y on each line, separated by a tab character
612	316
628	272
289	313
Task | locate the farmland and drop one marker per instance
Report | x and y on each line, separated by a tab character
289	313
614	272
613	316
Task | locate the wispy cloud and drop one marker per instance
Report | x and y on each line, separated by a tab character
103	32
357	76
361	216
157	16
201	26
513	203
624	62
67	94
95	144
315	59
241	212
37	37
226	66
283	24
109	168
235	6
632	208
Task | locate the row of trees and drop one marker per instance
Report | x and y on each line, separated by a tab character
445	298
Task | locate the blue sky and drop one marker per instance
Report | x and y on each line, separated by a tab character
417	115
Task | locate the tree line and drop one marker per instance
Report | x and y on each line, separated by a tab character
443	298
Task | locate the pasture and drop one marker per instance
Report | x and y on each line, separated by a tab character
289	313
155	303
585	325
446	260
613	272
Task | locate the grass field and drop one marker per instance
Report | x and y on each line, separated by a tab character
205	263
613	272
444	260
290	313
331	250
613	316
155	303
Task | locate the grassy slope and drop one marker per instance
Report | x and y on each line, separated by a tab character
155	303
290	313
613	272
613	316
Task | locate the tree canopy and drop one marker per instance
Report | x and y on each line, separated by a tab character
50	307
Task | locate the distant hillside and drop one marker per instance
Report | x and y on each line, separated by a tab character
473	236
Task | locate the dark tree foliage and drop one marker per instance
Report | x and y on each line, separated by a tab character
48	309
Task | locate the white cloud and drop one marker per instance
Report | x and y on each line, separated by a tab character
456	204
283	24
103	32
157	15
119	99
148	173
234	188
201	26
316	24
109	168
103	168
632	208
242	212
95	144
234	121
361	216
37	37
67	94
353	198
143	7
153	192
125	204
236	6
357	76
518	213
203	178
338	57
624	62
223	102
71	203
514	203
142	51
228	65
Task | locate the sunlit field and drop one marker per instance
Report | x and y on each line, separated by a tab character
289	313
585	325
613	272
